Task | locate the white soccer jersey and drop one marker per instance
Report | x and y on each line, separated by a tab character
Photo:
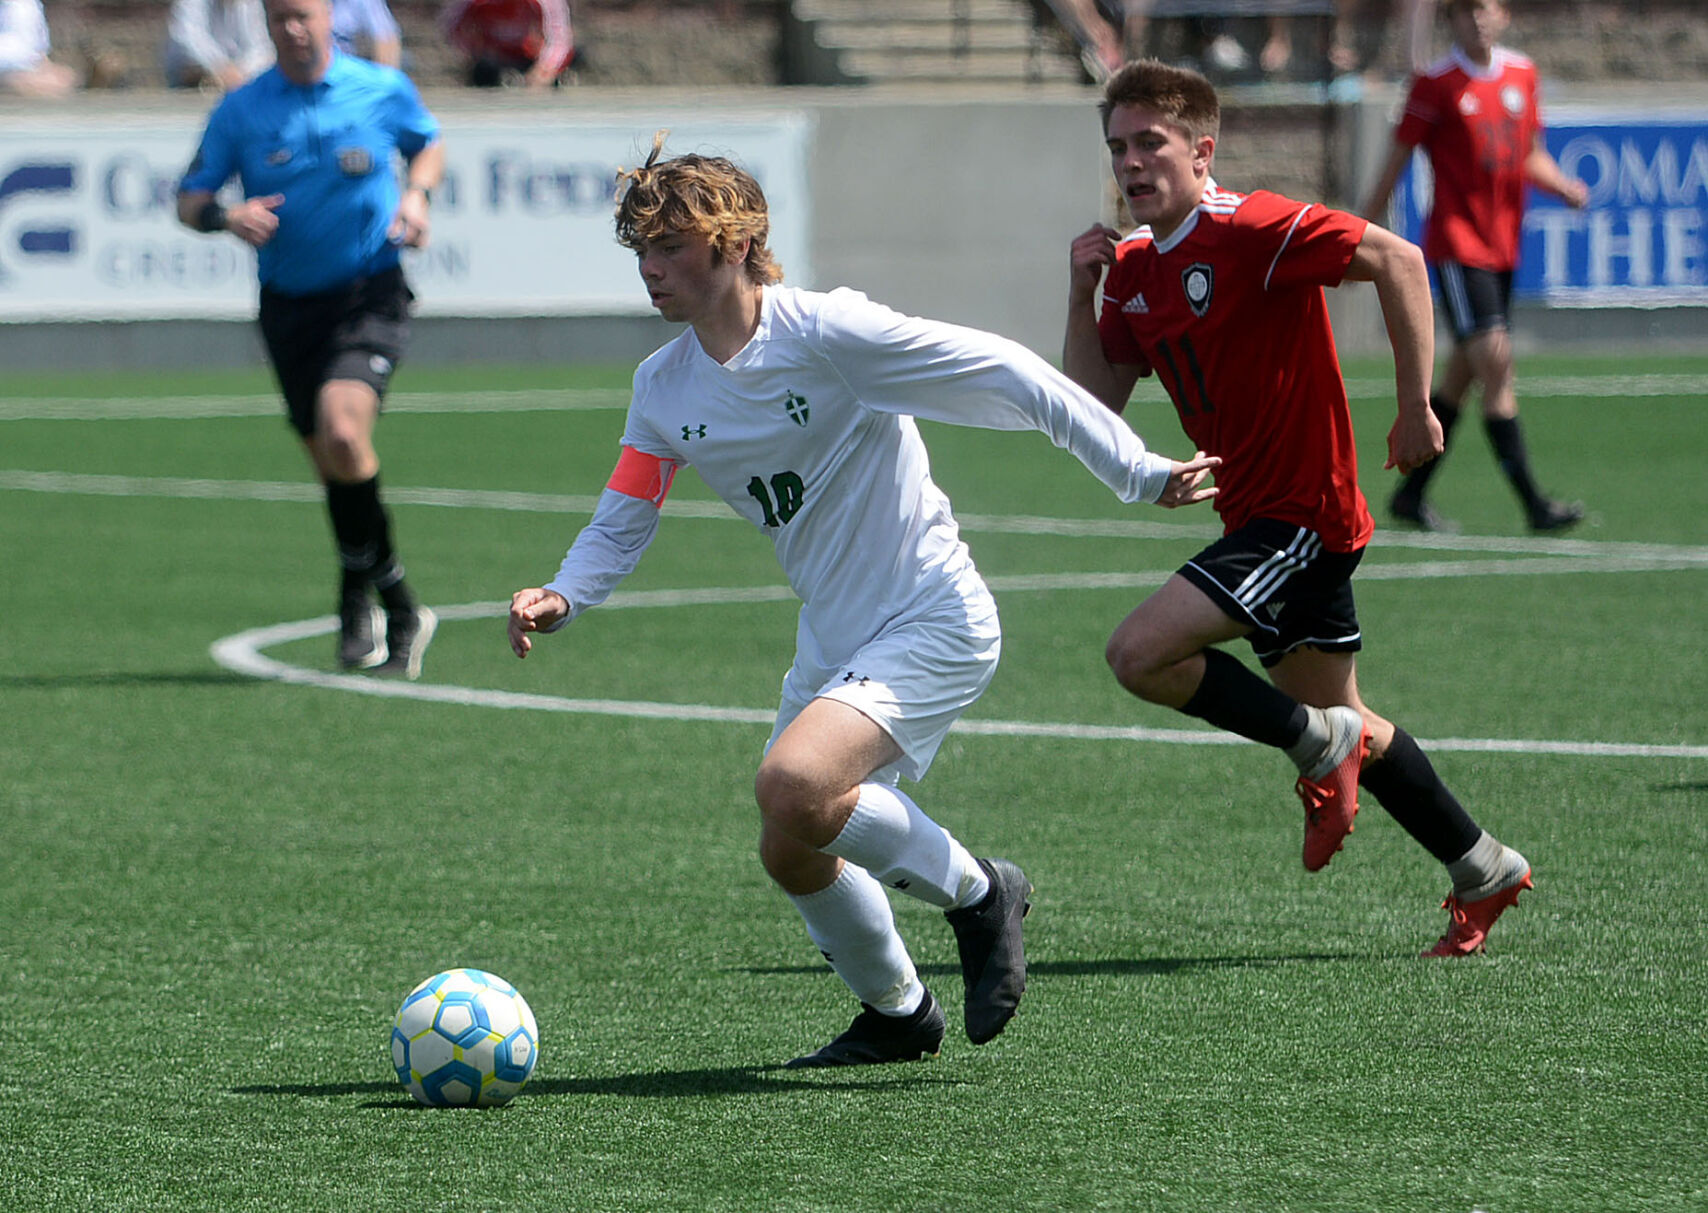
808	433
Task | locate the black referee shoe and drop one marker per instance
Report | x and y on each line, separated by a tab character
1548	515
361	633
874	1039
408	635
1415	511
993	955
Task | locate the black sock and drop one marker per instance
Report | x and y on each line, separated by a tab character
1405	783
1508	441
1417	480
1231	697
362	531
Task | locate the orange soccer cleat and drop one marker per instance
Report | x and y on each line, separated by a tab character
1330	795
1470	919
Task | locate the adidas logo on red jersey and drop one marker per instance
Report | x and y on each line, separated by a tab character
1136	305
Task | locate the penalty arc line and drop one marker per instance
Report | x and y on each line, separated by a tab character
244	653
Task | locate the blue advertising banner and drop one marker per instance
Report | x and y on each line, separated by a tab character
1642	241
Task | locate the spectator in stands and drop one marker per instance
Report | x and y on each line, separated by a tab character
218	43
503	39
25	69
1475	113
367	29
316	142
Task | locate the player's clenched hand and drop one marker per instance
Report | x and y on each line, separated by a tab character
410	226
253	221
1186	483
534	610
1092	251
1414	440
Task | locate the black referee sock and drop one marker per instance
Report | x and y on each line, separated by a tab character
1232	698
1405	783
1507	438
362	531
1417	480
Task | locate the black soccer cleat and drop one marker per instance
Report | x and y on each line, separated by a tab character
408	635
875	1039
993	954
361	633
1548	515
1413	510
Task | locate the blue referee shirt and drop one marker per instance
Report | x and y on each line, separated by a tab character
330	148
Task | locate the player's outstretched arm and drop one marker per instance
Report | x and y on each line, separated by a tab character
1186	482
534	610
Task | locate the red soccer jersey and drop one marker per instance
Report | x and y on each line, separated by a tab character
516	32
1230	314
1478	126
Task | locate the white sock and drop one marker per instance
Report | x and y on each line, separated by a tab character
1313	745
853	926
1478	865
893	839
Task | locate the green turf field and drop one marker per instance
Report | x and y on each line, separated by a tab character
216	888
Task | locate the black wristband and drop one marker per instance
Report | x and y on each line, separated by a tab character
211	218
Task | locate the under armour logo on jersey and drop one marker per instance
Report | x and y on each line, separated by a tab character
1275	609
900	884
851	676
693	431
1137	305
1200	283
796	407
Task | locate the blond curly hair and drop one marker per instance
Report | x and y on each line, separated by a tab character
707	195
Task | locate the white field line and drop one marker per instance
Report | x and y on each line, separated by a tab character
1592	555
244	653
104	408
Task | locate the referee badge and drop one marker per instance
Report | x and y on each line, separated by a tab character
1200	283
355	161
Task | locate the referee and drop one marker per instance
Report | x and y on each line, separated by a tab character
315	142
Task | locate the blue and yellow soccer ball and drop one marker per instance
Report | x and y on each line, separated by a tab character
466	1039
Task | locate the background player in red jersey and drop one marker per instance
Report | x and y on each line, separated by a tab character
1475	113
1221	296
531	38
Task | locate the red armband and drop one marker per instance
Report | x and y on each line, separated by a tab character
638	474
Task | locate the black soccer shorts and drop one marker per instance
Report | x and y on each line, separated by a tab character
1475	300
1277	577
356	332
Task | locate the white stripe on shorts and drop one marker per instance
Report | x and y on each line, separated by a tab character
1267	578
1451	275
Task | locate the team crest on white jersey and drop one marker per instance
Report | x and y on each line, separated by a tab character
796	407
1199	280
1136	305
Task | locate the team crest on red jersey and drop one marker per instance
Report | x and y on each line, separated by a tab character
1199	281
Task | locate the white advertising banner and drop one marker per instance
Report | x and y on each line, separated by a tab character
521	227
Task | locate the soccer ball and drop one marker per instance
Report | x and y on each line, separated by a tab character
464	1038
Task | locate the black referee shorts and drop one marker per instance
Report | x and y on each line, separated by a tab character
356	332
1475	300
1277	577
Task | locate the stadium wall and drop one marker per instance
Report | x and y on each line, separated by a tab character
954	205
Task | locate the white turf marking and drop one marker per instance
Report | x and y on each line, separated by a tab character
1593	555
530	400
243	653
